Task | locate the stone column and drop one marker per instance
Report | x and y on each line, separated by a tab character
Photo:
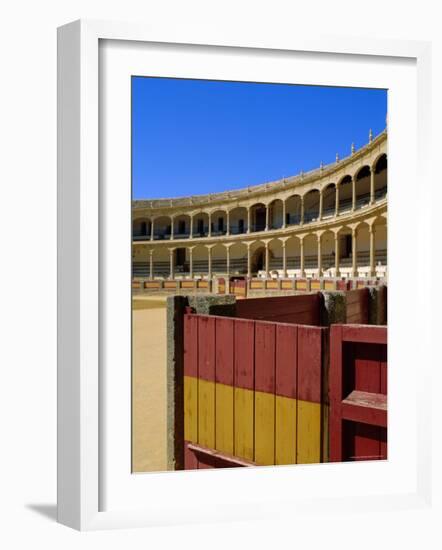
372	252
267	261
151	264
228	222
249	217
191	228
209	263
319	257
354	252
372	198
284	215
191	262
172	263
301	244
228	260
209	233
302	211
249	262
171	228
337	253
321	195
267	217
284	260
337	200
353	193
152	234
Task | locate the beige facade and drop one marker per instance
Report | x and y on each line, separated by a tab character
328	222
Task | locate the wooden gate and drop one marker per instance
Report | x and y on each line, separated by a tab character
358	392
253	392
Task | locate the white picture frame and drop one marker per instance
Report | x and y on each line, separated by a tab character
81	395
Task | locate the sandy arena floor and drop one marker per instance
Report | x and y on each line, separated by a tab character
149	384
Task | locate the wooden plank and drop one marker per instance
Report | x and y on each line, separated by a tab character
206	413
335	393
191	408
244	381
371	334
309	432
286	360
244	423
224	418
217	459
244	357
285	309
224	377
365	442
190	459
265	341
310	363
264	428
285	430
206	380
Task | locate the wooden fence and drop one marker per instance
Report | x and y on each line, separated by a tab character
253	392
302	309
358	392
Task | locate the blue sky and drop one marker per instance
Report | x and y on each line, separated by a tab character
199	136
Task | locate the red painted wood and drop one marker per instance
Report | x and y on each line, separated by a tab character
244	356
310	363
286	360
190	345
224	348
371	334
265	338
206	347
357	306
284	309
190	459
383	361
367	367
365	442
358	392
215	459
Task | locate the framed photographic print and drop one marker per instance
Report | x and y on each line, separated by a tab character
233	223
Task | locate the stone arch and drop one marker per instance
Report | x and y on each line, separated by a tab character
238	220
362	186
293	209
141	227
329	200
218	222
380	167
181	226
238	258
162	227
311	206
200	224
276	210
345	194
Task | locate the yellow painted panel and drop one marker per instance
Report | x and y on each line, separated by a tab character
301	285
224	418
191	409
285	428
329	285
264	428
272	284
309	433
286	284
315	285
206	413
243	423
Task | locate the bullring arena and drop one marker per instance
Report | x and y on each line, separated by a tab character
317	234
328	224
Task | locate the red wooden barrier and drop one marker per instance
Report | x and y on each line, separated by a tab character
301	310
253	392
357	306
358	392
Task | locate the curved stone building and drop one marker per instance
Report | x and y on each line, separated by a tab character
330	222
